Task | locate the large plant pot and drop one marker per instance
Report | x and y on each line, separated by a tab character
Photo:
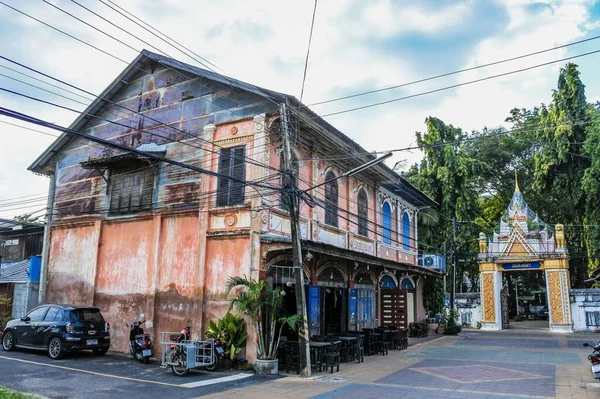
267	367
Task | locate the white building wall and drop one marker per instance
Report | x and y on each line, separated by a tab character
585	301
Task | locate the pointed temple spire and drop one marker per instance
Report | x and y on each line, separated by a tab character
517	190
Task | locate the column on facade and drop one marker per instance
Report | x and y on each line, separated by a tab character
557	288
491	282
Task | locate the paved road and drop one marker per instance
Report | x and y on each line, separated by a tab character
84	375
474	365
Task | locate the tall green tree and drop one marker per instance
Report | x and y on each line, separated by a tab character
560	163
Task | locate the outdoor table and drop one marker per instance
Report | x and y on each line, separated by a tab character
315	349
345	342
420	329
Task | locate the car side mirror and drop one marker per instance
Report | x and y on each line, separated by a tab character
25	318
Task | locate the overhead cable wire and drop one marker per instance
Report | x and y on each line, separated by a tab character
456	72
470	82
165	35
105	52
312	24
27	118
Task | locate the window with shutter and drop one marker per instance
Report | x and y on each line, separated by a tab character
331	201
231	166
363	213
131	188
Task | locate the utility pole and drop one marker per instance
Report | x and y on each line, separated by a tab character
454	256
291	191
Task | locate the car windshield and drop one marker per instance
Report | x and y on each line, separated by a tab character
86	315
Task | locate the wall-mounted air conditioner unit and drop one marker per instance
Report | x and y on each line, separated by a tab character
437	262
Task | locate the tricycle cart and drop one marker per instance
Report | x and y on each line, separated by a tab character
184	355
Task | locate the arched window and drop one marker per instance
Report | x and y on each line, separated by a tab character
387	282
331	200
387	223
363	213
406	284
284	201
406	231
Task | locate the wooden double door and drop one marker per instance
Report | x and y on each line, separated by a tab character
394	307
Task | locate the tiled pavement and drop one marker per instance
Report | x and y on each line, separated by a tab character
476	364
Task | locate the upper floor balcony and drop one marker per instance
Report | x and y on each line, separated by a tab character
277	222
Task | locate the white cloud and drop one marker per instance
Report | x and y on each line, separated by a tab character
265	43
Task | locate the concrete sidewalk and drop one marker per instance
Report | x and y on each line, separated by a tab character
475	364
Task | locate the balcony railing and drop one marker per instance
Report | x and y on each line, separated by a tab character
278	223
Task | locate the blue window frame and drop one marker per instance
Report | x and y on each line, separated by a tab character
406	231
388	282
387	223
406	284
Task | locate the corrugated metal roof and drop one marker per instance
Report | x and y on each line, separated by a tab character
40	164
15	273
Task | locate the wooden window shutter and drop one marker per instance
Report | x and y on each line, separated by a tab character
239	173
222	182
232	164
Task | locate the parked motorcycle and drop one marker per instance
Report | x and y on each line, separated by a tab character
594	359
140	344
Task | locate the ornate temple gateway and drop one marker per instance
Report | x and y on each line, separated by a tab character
524	242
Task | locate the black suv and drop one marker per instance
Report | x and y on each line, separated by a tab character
58	329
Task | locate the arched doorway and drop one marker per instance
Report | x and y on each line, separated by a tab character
361	312
281	275
408	287
392	302
333	285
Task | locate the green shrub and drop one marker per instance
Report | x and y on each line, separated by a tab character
230	331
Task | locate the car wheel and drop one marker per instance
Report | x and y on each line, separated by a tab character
8	341
100	351
55	349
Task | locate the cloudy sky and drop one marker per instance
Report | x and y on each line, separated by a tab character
357	46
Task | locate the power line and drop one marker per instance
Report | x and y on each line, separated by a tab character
63	32
458	85
312	24
105	52
27	118
152	33
169	139
28	128
455	72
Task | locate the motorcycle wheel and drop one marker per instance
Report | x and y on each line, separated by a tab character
146	359
181	368
213	366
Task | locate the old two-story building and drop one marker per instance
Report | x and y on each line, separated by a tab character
132	234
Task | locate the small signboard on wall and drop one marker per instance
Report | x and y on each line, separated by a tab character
521	266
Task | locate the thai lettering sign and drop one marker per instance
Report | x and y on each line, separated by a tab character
521	266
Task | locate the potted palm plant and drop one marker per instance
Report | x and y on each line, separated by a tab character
264	307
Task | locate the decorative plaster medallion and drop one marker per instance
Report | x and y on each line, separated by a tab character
265	218
231	220
234	131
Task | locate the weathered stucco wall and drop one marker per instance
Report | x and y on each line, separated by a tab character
71	266
124	275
